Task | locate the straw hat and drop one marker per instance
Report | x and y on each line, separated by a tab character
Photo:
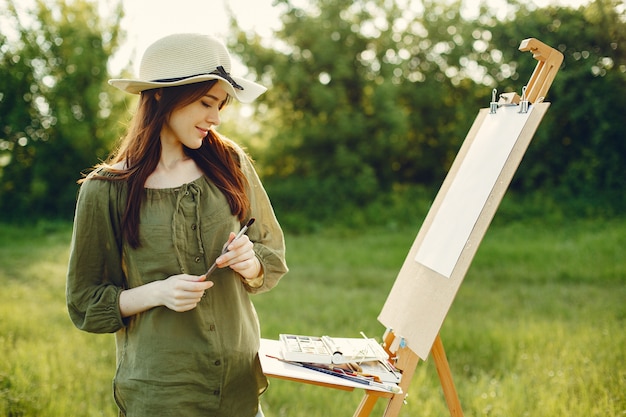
188	58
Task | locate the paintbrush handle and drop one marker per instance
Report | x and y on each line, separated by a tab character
225	248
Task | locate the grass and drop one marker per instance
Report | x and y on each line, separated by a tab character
537	328
47	368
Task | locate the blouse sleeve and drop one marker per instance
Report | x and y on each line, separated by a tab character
266	233
95	277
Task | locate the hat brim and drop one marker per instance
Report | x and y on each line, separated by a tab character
250	92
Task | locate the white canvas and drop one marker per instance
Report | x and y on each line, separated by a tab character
477	175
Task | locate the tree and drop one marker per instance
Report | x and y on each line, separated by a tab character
17	117
59	116
366	96
357	102
580	150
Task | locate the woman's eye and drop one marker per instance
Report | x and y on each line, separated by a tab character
205	104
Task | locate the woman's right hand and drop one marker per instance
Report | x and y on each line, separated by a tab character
183	292
178	293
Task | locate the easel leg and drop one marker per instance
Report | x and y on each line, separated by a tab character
366	406
407	361
394	406
445	376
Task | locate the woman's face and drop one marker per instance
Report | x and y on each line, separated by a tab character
190	124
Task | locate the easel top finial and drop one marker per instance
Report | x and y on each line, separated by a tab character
549	62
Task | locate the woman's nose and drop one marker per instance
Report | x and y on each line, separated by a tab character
213	117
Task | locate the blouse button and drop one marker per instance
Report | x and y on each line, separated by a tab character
187	192
197	259
218	362
212	327
194	226
216	392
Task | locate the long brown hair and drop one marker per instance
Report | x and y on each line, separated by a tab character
140	150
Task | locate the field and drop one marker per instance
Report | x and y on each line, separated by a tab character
537	328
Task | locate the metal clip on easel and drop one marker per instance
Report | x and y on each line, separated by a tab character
493	106
524	102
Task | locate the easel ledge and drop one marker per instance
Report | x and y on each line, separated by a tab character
404	359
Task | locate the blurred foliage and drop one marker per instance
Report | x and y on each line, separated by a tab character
368	104
579	150
366	96
56	115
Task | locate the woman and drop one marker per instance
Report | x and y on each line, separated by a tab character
150	223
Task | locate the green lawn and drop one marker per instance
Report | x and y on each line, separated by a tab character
537	328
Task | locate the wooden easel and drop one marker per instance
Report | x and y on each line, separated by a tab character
441	254
406	360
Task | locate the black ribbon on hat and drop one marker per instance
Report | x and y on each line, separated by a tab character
219	71
225	75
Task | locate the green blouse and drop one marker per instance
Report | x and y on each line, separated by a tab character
203	362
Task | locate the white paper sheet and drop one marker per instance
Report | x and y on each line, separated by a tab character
453	223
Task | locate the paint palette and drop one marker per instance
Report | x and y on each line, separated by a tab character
327	350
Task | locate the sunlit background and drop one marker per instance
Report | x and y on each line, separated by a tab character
149	20
146	20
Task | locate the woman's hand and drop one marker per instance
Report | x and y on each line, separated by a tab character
240	257
182	292
178	293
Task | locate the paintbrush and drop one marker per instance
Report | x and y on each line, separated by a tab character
241	233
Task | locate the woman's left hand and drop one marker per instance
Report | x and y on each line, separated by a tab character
240	257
